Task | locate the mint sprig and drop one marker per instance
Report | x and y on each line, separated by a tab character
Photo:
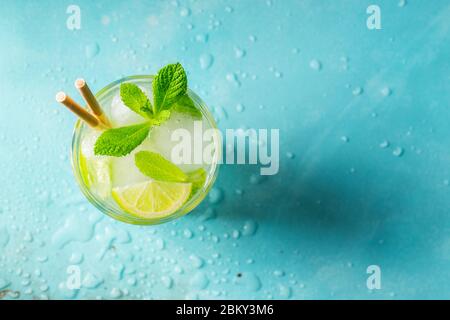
135	99
169	85
186	105
157	167
119	142
169	91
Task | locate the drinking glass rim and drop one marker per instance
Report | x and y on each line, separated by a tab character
120	214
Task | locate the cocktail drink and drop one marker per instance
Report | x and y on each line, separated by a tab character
124	162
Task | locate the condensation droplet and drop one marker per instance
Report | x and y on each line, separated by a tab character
188	233
357	91
167	282
248	280
215	195
199	281
239	53
398	152
184	12
239	107
384	144
386	91
315	64
196	261
249	228
91	50
206	60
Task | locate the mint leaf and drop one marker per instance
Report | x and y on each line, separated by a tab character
160	118
121	141
198	178
186	105
157	167
169	85
135	99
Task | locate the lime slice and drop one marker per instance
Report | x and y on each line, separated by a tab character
96	173
152	199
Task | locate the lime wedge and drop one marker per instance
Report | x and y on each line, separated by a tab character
96	173
152	199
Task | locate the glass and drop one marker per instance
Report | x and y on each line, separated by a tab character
108	205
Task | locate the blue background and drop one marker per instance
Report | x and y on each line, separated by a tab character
364	174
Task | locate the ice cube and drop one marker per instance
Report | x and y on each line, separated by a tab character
88	143
124	171
160	141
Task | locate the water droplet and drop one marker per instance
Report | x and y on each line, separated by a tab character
76	228
384	144
42	259
202	38
398	152
28	237
132	281
446	182
106	20
315	64
66	292
199	281
76	258
386	91
290	155
167	282
4	237
248	280
232	77
196	261
91	50
278	273
357	91
345	139
239	53
402	3
160	244
178	269
256	178
285	291
184	12
239	107
4	283
206	60
208	214
188	234
116	293
249	228
117	270
252	38
44	288
91	281
215	195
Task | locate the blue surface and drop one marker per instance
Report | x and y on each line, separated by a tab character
345	198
